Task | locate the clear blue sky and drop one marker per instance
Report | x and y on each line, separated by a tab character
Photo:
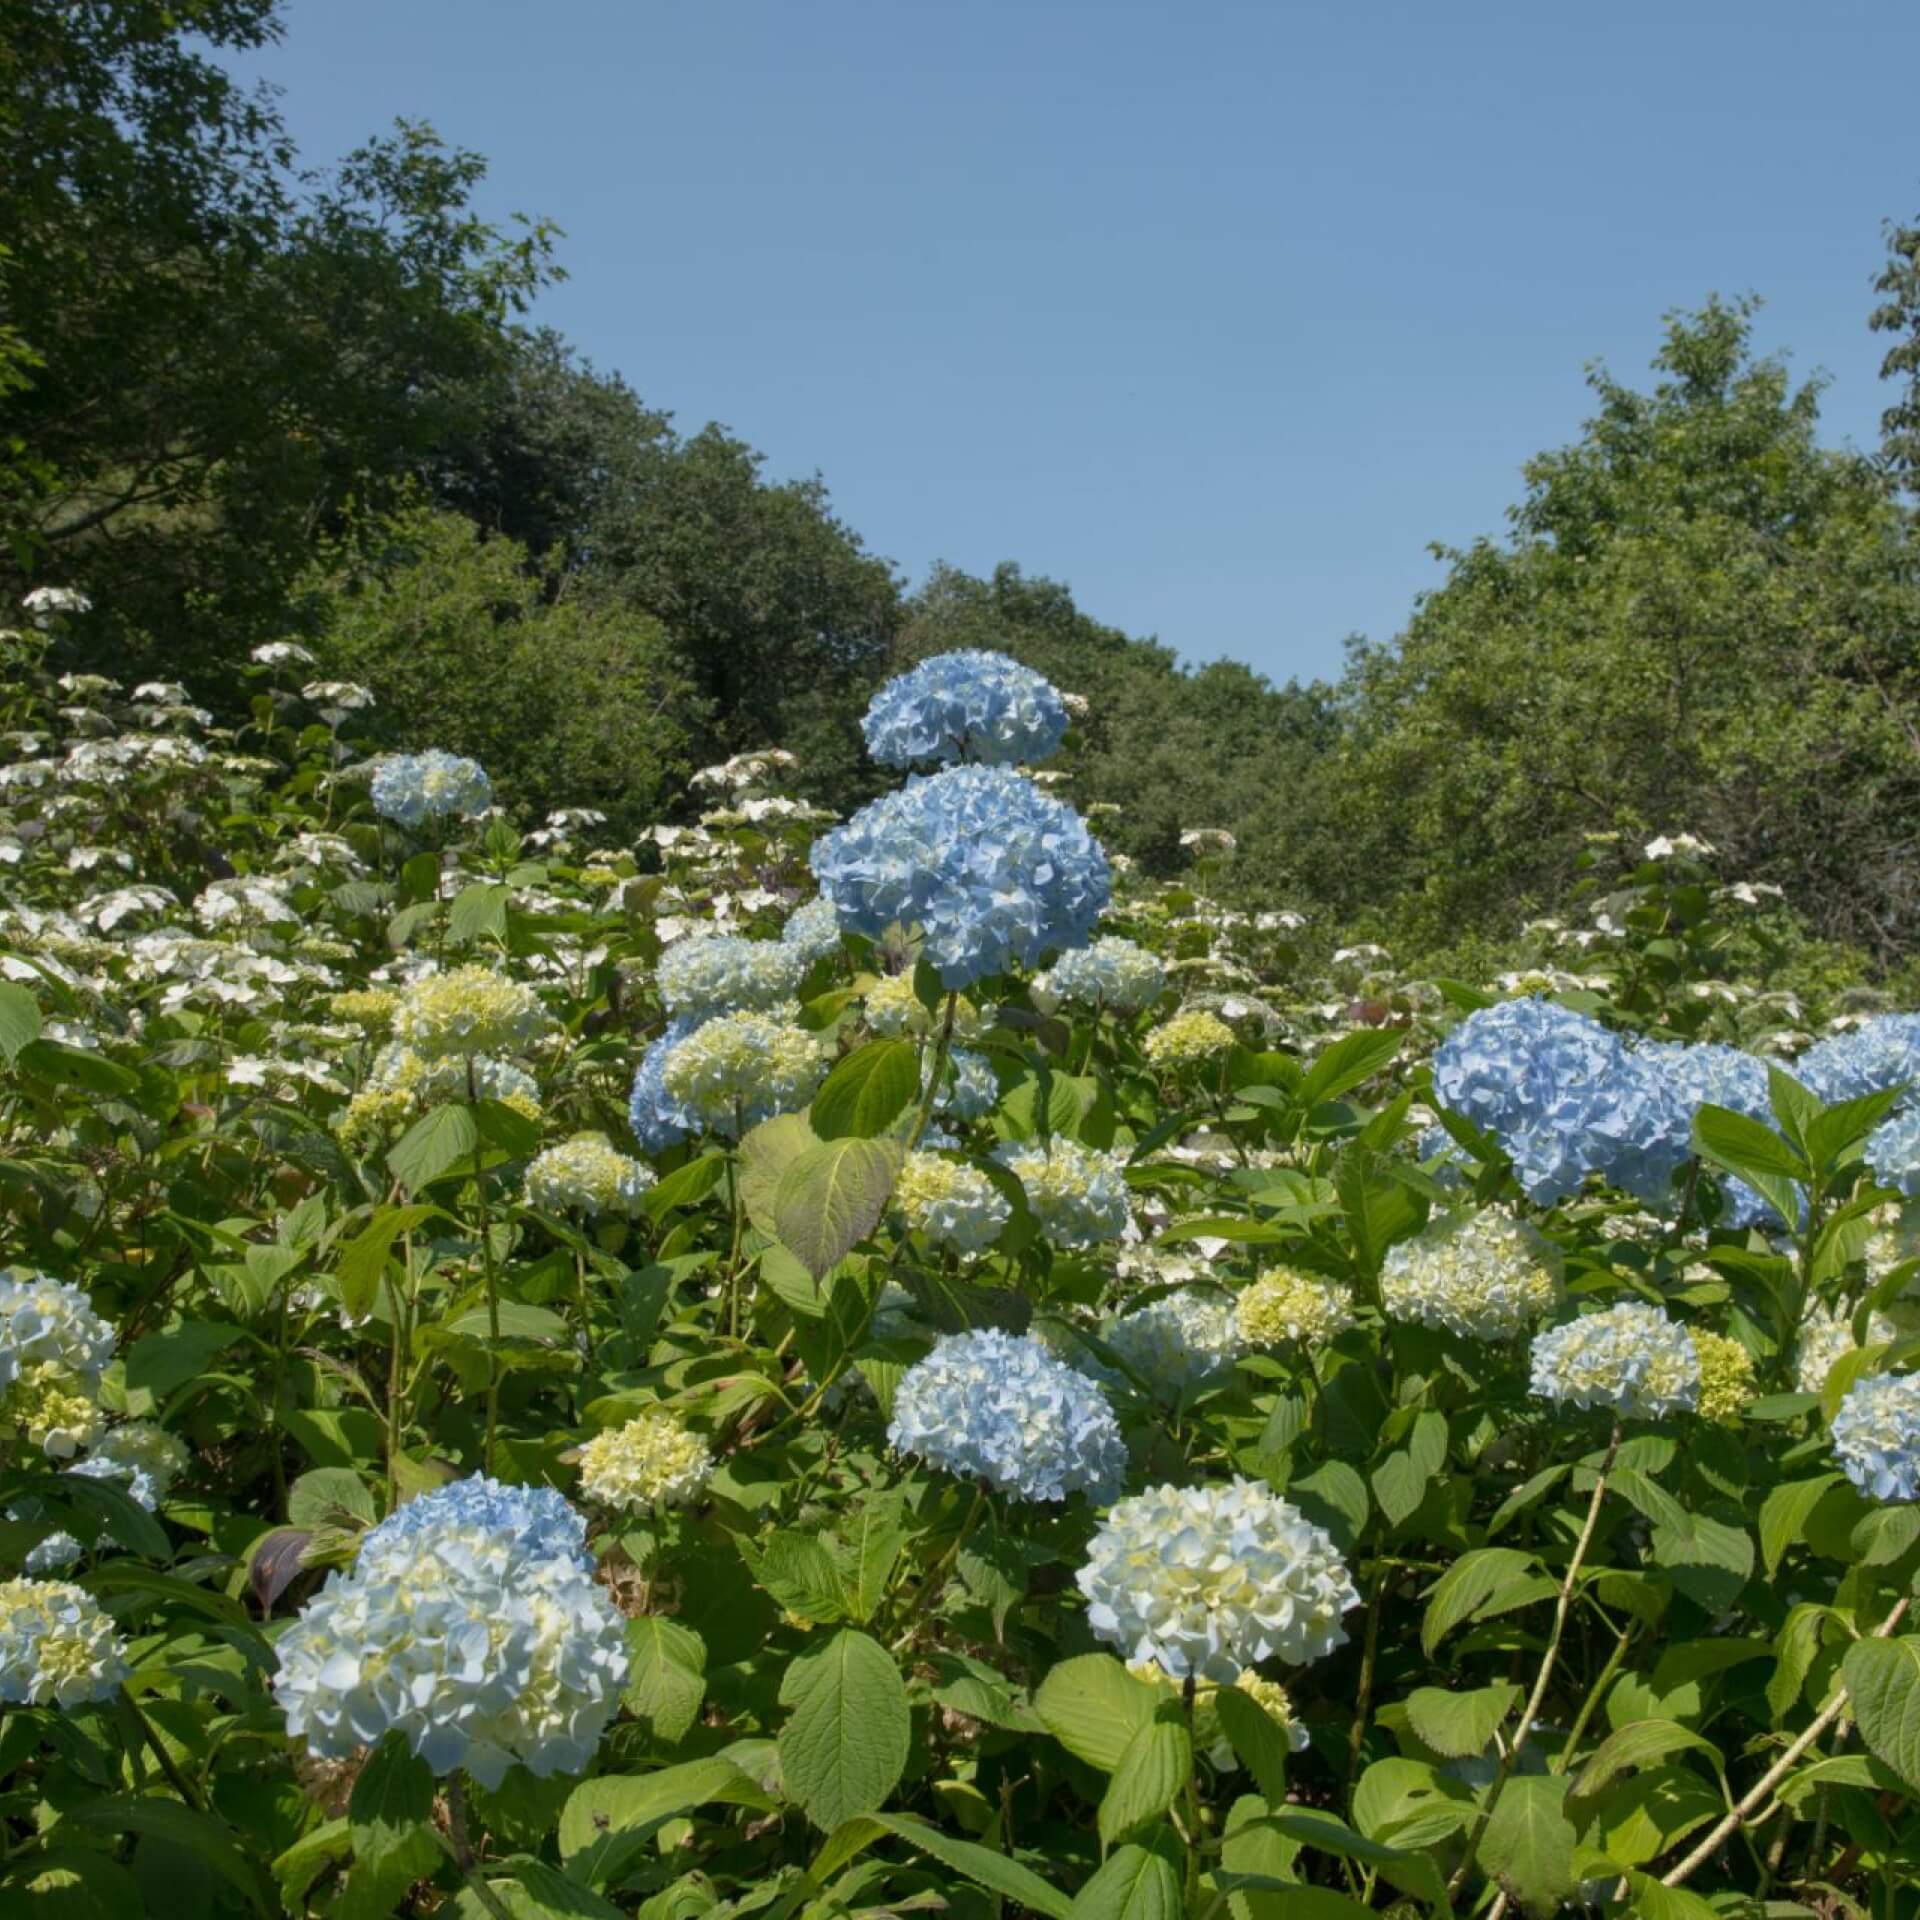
1217	312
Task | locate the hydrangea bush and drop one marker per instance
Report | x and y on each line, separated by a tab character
833	1368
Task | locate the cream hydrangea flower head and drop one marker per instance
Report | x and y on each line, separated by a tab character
1629	1358
1078	1195
1181	1342
893	1008
587	1175
742	1068
1210	1580
1726	1375
1826	1335
53	1407
1484	1276
371	1009
1286	1304
43	1320
652	1461
1206	1713
56	1646
952	1204
468	1011
1188	1039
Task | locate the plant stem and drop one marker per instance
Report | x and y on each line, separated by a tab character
1363	1700
1595	1694
493	1285
1563	1606
181	1784
935	1582
941	1049
463	1855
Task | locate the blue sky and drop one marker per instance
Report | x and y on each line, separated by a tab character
1219	313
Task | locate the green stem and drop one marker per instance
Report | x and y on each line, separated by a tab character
935	1583
1369	1652
1590	1705
463	1854
739	1235
940	1052
493	1286
181	1784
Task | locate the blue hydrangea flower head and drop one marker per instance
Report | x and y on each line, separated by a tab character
1113	973
971	705
659	1121
1564	1097
709	973
969	1088
998	1406
1707	1075
813	930
990	870
1893	1152
1876	1435
412	788
1878	1054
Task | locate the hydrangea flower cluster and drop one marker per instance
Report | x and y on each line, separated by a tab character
1483	1276
969	1087
1179	1343
969	705
472	1624
892	1008
712	973
654	1461
996	1406
587	1175
371	1009
44	1321
1272	1696
1703	1074
1565	1098
412	788
1878	1054
990	869
658	1119
1726	1375
1893	1152
1288	1305
1876	1435
742	1068
53	1408
1079	1196
952	1205
1188	1039
418	1081
1826	1335
812	931
468	1011
1629	1357
1208	1581
1118	975
144	1458
56	1646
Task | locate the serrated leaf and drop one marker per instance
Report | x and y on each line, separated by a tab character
844	1745
1093	1706
1784	1512
799	1573
867	1092
1141	1881
608	1821
1466	1586
1156	1765
1883	1681
1528	1844
391	1820
1344	1065
1257	1737
766	1152
363	1259
666	1675
981	1865
19	1019
831	1197
1637	1744
437	1144
1459	1724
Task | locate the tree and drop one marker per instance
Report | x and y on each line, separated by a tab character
1899	314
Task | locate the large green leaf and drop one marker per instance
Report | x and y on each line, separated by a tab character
1141	1881
1156	1765
1755	1152
1257	1737
831	1197
981	1865
1528	1844
363	1260
438	1143
766	1152
608	1821
178	1826
1466	1587
391	1820
19	1019
1460	1724
666	1675
844	1745
1093	1706
1350	1060
1637	1744
1883	1679
867	1092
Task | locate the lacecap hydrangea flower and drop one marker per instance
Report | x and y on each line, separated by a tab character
1826	1335
587	1175
742	1068
812	931
653	1461
1876	1435
1078	1195
468	1011
658	1119
1115	974
1564	1097
1880	1053
1188	1039
1288	1305
1629	1358
472	1624
1726	1375
992	871
1208	1581
709	973
1484	1275
970	705
1893	1152
998	1407
44	1321
1179	1343
969	1088
57	1648
953	1205
411	788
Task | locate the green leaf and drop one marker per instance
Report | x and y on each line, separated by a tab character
1883	1679
766	1152
1139	1882
831	1197
1784	1512
19	1019
1345	1064
1755	1152
1412	1872
981	1865
479	913
1379	1207
873	1535
1709	1561
1257	1737
178	1826
77	1067
437	1143
844	1745
294	1871
867	1092
1156	1765
1637	1744
1399	1485
330	1496
363	1259
608	1821
1528	1844
666	1675
1460	1724
799	1572
394	1840
161	1363
685	1186
1466	1586
70	1883
1093	1706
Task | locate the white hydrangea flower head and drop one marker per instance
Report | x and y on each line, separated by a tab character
713	973
57	1648
742	1068
1286	1304
1876	1435
1208	1581
1484	1275
469	1011
952	1204
54	1407
1181	1342
397	1069
47	1321
996	1406
893	1008
472	1624
1189	1039
1825	1336
1629	1358
1118	975
652	1461
587	1174
1078	1195
144	1458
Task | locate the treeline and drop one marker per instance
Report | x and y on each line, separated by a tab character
244	402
